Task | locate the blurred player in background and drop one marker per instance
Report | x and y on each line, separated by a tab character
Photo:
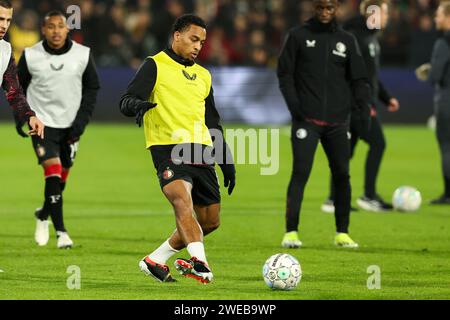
320	68
438	72
8	76
171	93
374	137
61	84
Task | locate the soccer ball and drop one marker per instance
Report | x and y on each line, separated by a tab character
282	272
406	199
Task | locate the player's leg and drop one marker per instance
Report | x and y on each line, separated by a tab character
52	200
209	220
53	203
188	231
198	267
371	201
68	155
336	145
188	234
208	217
48	151
443	137
304	139
328	205
206	200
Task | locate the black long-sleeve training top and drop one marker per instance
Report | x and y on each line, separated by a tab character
320	70
140	89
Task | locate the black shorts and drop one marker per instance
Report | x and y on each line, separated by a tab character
204	180
54	145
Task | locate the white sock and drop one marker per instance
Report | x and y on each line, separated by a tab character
196	249
163	253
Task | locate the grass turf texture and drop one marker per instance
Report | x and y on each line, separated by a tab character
116	214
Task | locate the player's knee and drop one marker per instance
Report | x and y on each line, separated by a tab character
378	145
340	177
210	226
182	206
300	174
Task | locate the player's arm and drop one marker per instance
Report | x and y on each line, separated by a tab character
23	73
361	90
383	94
135	101
24	81
285	73
222	151
16	99
90	87
439	60
392	103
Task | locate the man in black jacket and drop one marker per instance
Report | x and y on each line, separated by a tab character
370	50
320	70
61	84
438	73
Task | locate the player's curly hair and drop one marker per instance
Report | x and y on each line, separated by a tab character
53	13
185	21
6	4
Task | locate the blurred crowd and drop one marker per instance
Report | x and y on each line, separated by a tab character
240	32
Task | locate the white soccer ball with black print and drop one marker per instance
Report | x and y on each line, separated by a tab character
282	272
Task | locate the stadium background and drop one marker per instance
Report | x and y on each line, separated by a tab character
244	39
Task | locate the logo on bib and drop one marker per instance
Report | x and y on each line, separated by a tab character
56	68
188	76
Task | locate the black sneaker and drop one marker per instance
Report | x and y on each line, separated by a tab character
375	204
158	271
441	200
195	269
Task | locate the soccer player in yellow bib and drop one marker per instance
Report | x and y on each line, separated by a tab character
172	97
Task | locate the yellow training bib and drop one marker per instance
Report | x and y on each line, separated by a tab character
180	94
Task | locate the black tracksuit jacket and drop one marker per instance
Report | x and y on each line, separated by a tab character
320	71
370	50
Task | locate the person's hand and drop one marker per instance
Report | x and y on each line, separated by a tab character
394	105
229	176
423	71
73	137
19	129
141	109
36	127
361	120
74	134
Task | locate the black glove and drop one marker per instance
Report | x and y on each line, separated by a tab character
74	134
19	129
19	126
361	121
229	176
141	109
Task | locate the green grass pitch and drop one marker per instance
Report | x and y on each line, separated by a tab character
116	214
